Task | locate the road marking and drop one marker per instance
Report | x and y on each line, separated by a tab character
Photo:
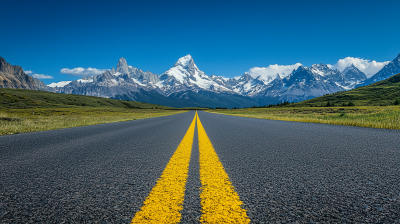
165	201
219	201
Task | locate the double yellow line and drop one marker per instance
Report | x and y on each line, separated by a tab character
219	201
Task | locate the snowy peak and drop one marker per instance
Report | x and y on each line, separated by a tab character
185	75
245	78
122	66
186	63
320	69
299	69
351	68
392	68
185	70
353	74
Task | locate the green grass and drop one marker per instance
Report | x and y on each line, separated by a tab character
26	99
383	93
14	121
31	110
374	107
362	116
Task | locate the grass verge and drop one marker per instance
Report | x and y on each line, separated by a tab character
14	121
362	116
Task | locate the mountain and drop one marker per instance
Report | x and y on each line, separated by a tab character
24	99
185	75
303	83
387	71
124	80
353	74
184	84
15	77
381	93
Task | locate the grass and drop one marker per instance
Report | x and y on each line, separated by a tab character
383	93
363	116
24	110
14	121
26	99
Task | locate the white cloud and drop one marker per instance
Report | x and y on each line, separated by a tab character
59	84
82	71
369	67
38	76
41	76
272	70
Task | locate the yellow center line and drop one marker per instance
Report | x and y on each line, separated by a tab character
165	201
219	201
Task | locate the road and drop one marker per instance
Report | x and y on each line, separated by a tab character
205	168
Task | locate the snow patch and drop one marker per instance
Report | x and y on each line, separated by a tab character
137	81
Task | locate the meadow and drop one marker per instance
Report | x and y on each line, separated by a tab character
362	116
31	110
14	121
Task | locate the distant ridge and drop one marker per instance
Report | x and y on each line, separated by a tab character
185	85
387	71
15	77
382	93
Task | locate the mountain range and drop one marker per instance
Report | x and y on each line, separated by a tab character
185	85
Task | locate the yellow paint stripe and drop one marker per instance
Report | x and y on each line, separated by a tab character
165	201
219	201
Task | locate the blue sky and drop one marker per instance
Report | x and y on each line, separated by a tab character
224	37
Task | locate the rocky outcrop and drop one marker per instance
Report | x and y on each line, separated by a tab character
15	77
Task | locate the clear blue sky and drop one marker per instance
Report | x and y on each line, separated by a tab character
224	37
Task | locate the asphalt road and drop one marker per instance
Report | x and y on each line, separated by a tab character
284	172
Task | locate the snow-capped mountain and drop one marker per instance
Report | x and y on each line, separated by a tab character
124	80
187	84
303	83
392	68
185	75
353	74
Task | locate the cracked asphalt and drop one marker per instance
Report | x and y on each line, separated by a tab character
284	172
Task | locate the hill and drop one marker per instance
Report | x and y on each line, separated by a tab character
25	99
381	93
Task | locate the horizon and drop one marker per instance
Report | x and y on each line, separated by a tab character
225	39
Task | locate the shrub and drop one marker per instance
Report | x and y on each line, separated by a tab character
351	104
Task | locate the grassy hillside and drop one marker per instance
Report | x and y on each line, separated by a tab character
381	93
26	99
362	116
374	106
24	110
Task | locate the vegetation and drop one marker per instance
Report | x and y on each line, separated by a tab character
24	99
383	93
30	110
362	116
375	106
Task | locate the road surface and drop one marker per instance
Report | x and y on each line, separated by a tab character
204	168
